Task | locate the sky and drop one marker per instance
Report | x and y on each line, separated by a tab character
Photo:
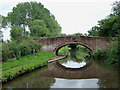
74	16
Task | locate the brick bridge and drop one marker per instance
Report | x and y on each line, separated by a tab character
92	43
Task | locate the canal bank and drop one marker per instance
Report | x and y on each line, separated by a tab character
13	69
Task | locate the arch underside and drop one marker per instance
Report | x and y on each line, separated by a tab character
68	43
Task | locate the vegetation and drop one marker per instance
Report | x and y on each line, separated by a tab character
38	28
109	27
64	50
28	14
28	63
28	21
16	32
77	54
40	22
15	49
77	34
109	56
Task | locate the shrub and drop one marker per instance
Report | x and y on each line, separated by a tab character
109	56
24	48
5	51
14	49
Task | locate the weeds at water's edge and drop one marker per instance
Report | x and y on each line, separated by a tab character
11	74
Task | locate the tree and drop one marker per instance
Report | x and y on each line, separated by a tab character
0	21
1	36
116	7
3	22
16	32
38	28
63	34
109	26
26	12
78	34
93	31
0	28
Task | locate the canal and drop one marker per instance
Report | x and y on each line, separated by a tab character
76	71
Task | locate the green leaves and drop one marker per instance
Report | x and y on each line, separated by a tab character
109	26
16	32
78	34
14	49
38	28
25	13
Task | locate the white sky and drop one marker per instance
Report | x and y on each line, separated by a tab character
73	15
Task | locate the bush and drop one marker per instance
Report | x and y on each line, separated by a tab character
109	56
5	51
14	49
25	48
100	54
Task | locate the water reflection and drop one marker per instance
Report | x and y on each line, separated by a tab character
71	64
69	73
31	80
75	83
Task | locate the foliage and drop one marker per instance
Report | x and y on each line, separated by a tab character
93	31
109	56
82	48
109	26
3	22
16	32
78	34
26	12
28	63
1	36
76	54
64	50
1	27
63	34
106	27
9	50
116	8
14	49
0	21
38	28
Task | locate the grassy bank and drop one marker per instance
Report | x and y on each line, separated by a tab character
28	63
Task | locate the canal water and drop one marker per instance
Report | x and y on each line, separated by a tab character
72	72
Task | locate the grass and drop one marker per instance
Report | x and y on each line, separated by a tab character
28	63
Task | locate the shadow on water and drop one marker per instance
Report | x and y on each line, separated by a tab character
73	72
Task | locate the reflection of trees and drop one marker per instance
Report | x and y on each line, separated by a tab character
108	81
31	80
107	67
77	55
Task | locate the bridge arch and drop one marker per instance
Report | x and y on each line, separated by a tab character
73	69
68	43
